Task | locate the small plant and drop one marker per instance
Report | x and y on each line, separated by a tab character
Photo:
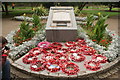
96	30
40	11
36	21
26	32
90	20
99	28
76	11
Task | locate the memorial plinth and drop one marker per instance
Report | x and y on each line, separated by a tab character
61	24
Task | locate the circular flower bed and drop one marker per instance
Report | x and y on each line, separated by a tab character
58	57
55	54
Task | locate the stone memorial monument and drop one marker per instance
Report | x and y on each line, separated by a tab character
61	24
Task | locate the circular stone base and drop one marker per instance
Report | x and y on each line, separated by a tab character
107	70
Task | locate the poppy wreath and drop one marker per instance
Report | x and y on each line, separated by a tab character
53	66
44	51
48	57
35	51
43	44
73	50
77	57
61	57
88	50
81	41
61	50
35	66
96	65
47	50
73	71
100	58
56	45
28	59
70	44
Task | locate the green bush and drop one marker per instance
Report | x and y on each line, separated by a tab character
96	29
99	28
26	32
40	11
76	11
36	21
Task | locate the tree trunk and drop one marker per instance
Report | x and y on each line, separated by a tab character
110	7
3	9
6	8
82	6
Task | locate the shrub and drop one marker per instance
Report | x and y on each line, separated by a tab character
40	11
96	30
26	32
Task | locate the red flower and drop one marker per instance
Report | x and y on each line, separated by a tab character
19	30
16	44
113	34
106	42
103	40
94	40
110	41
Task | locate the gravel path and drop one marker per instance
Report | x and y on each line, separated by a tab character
9	25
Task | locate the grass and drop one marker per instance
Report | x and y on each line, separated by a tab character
16	8
97	11
28	10
16	13
101	8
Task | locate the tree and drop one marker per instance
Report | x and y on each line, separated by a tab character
111	5
79	4
6	7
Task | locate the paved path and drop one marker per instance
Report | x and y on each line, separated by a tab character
9	25
113	23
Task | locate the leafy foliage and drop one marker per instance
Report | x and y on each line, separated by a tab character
26	32
99	28
96	30
40	11
76	11
36	21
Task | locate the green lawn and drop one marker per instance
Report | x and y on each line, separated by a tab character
15	8
16	13
28	10
101	8
97	11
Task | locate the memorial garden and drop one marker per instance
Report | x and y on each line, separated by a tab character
63	42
